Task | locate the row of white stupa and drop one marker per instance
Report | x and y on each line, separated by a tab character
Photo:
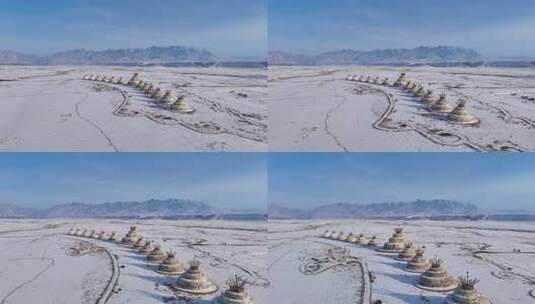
352	238
433	276
190	280
155	93
455	114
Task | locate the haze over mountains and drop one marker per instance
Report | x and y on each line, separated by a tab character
419	55
418	208
135	209
152	55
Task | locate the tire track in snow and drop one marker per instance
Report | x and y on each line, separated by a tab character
94	125
51	262
328	117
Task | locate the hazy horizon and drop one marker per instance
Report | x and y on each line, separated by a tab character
42	28
224	181
361	50
491	27
493	182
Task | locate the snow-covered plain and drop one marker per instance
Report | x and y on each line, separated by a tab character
38	263
506	277
53	109
316	109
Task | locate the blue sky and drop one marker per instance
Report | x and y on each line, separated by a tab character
223	180
492	27
234	28
491	181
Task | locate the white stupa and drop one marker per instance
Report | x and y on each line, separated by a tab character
235	294
156	94
374	241
156	255
396	243
139	243
170	266
194	281
467	293
400	81
407	85
167	98
93	234
461	116
428	98
113	237
131	237
86	233
134	80
140	85
407	254
147	248
441	105
421	92
436	278
148	89
414	88
181	106
101	235
419	263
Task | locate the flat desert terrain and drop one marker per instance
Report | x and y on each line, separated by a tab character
317	109
37	257
50	108
305	267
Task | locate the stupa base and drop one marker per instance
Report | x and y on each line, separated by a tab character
441	111
156	259
184	110
451	287
169	273
403	259
227	300
471	122
482	300
207	290
389	251
415	270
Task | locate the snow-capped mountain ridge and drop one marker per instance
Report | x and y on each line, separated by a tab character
395	209
152	55
148	208
422	54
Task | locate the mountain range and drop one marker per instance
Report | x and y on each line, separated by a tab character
152	55
134	209
418	208
419	55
